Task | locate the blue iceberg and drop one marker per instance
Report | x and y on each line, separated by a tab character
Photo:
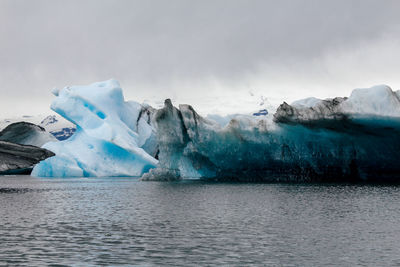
355	138
113	137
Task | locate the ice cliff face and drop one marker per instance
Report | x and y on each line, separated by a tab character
177	129
109	137
193	147
316	140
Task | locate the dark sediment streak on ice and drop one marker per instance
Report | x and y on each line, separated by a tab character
319	144
18	159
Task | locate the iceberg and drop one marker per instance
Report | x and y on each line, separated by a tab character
344	139
54	124
20	159
113	137
25	133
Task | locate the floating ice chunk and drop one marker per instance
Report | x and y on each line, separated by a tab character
106	142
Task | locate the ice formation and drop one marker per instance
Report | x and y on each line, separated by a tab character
111	139
306	102
20	159
25	133
352	138
340	139
54	124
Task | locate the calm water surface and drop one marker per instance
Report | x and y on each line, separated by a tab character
122	221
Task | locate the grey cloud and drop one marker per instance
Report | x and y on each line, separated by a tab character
157	45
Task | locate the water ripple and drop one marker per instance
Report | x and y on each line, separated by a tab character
91	222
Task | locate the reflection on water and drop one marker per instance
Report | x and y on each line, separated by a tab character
121	221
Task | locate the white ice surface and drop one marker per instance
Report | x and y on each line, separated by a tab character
378	100
306	102
106	142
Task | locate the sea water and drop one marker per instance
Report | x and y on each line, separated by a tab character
123	221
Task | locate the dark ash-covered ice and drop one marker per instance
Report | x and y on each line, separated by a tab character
334	140
15	158
26	133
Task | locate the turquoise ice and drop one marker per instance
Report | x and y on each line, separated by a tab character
111	137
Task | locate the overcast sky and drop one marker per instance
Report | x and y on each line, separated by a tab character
219	56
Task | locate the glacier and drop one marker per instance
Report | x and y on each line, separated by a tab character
344	139
113	137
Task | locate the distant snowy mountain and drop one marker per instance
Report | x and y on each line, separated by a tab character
56	125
